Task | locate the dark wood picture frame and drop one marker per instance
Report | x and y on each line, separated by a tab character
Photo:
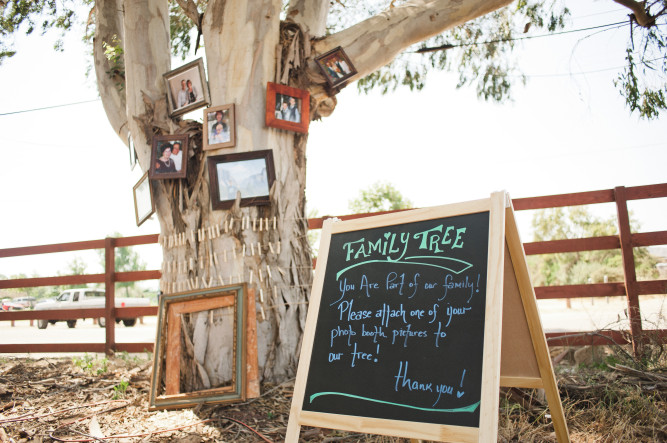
157	169
279	110
336	66
226	112
144	204
251	173
194	73
165	381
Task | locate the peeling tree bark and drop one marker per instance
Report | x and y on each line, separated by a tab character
111	85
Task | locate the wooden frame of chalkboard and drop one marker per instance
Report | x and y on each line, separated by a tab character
403	330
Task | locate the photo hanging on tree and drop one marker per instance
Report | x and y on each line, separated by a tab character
169	156
144	205
336	67
250	174
287	108
187	88
220	127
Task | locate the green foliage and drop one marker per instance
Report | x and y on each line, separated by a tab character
479	50
76	266
125	260
379	197
120	389
648	101
133	360
581	267
28	15
39	292
181	28
644	80
115	55
91	364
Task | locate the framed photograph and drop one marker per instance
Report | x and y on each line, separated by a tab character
336	66
144	205
287	108
169	157
200	348
248	173
220	127
187	88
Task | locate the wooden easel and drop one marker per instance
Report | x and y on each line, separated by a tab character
525	359
519	359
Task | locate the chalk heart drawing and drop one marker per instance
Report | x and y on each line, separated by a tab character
386	235
459	394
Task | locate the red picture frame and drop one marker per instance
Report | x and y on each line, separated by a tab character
287	108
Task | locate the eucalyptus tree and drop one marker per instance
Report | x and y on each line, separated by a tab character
246	44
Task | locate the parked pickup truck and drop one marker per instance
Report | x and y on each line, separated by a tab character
86	298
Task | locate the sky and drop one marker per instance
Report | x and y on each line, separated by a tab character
67	175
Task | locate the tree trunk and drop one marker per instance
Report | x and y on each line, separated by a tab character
243	43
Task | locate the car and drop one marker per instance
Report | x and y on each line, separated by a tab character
26	302
9	305
86	298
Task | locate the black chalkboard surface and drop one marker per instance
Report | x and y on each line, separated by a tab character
400	328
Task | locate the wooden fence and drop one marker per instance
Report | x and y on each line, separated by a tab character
626	241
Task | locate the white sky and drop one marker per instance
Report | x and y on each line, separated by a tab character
66	176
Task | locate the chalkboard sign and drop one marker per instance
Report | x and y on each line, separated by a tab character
406	323
400	329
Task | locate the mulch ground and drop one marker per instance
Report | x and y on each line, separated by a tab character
61	399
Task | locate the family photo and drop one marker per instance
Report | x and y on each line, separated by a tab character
288	108
168	158
336	66
219	127
186	88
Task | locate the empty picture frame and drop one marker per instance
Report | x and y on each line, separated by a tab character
187	88
336	66
205	331
169	157
249	173
144	205
220	126
287	108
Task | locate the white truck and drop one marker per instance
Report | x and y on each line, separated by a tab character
86	298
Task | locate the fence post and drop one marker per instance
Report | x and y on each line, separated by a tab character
110	294
627	253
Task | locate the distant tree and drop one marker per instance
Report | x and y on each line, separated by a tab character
125	260
581	267
37	292
380	196
76	266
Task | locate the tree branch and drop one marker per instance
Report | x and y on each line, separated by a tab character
311	15
110	75
190	10
638	11
376	41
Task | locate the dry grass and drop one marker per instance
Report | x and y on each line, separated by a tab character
618	400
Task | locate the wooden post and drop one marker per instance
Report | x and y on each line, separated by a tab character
627	253
110	294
